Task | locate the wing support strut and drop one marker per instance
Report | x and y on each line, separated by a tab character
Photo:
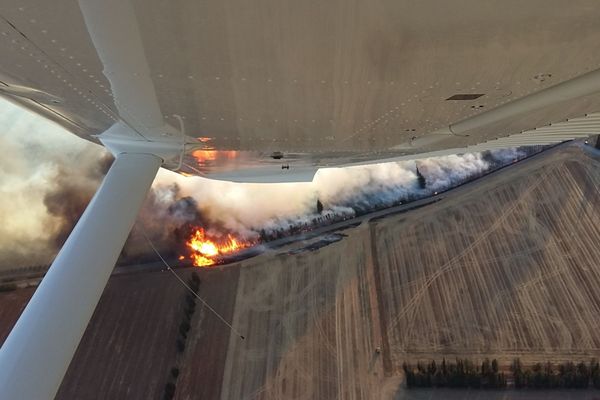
37	353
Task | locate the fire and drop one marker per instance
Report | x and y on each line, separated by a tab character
206	156
202	156
205	252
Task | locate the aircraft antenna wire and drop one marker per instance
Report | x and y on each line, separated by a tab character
189	289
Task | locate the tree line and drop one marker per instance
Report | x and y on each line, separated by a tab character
189	309
566	375
464	373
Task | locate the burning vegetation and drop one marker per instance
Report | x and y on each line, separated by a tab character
203	237
204	251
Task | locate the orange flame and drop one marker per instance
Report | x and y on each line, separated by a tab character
208	155
205	252
204	155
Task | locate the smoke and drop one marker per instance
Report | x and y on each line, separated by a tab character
267	211
69	193
444	172
42	188
47	178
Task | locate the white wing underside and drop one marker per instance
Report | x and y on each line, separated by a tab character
274	90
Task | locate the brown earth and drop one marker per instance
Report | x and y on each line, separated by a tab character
507	266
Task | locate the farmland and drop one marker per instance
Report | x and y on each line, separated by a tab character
505	267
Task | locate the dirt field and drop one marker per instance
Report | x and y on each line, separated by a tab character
312	326
509	268
504	267
129	346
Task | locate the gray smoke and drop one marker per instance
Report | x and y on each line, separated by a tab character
47	178
259	211
69	194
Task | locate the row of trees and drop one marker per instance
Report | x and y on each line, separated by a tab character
8	287
298	227
184	328
462	373
567	375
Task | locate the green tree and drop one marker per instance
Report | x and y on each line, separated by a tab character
432	368
319	206
421	179
486	368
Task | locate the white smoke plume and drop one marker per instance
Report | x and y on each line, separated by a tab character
254	210
47	177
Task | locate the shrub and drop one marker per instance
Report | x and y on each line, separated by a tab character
194	286
8	287
190	300
184	326
190	308
169	391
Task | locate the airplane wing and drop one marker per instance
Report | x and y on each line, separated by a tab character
277	89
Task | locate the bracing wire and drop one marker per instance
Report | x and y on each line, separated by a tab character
189	289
